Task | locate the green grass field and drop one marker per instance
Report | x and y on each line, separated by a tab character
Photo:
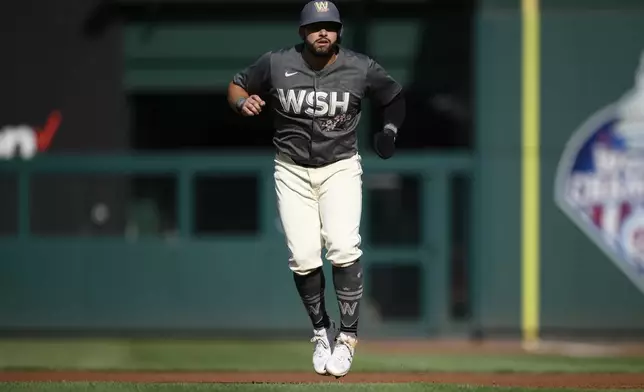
239	356
272	356
120	387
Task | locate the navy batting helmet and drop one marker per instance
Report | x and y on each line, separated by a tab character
320	11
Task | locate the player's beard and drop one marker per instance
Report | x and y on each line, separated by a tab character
323	53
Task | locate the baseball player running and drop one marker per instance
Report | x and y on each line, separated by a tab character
315	89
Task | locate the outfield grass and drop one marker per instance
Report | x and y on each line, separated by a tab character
270	356
121	387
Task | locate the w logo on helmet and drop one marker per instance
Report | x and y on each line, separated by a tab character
322	6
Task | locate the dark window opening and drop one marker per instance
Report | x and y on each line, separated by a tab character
226	205
194	121
103	205
461	212
394	208
396	290
8	204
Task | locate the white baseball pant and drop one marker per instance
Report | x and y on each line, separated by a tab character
320	207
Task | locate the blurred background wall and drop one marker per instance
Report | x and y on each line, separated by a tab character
153	211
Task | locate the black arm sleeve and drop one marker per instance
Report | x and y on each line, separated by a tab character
255	78
394	112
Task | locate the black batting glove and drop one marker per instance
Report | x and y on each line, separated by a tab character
385	143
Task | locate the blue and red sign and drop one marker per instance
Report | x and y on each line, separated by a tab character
600	180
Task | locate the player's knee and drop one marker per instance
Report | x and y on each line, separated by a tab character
304	269
347	262
303	263
344	254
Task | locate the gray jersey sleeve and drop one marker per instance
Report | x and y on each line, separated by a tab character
255	78
380	85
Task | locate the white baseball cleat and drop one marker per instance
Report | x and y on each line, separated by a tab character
340	362
322	339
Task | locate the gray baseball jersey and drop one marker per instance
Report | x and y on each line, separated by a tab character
316	112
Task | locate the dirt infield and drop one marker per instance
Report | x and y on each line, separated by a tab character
599	381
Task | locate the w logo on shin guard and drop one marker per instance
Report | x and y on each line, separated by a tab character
348	307
314	309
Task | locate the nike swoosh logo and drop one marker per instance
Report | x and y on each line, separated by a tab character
287	74
45	135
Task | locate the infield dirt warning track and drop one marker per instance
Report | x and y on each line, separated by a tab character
559	380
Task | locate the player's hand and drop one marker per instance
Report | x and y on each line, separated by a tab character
252	106
384	143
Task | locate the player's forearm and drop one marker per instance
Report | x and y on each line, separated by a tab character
235	93
393	116
394	113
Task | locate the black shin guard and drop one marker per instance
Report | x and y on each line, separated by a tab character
348	288
311	290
